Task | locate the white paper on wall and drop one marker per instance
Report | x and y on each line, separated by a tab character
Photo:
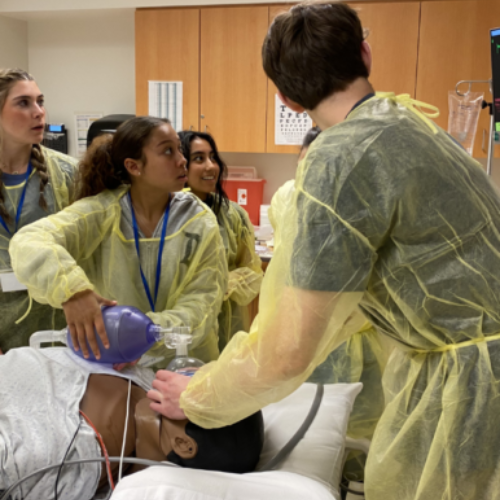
165	101
83	121
290	127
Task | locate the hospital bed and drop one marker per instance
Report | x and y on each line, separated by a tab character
312	470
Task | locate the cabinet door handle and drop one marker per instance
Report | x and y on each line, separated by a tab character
191	128
206	129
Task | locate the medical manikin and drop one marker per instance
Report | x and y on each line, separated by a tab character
47	397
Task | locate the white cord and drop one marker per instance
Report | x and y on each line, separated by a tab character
125	432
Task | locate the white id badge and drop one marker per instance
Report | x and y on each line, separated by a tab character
10	283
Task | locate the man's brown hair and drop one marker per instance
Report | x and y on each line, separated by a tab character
314	50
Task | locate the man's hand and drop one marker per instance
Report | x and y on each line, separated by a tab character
166	392
83	314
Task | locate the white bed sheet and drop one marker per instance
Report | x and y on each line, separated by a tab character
165	483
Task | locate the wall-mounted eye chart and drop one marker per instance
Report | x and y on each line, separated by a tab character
290	127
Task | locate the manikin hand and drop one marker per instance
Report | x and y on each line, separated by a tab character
83	314
121	366
166	392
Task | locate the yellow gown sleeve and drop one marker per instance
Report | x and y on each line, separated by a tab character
44	254
245	280
275	358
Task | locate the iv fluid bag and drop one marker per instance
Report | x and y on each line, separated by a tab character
463	117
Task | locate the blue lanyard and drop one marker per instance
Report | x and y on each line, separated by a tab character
21	202
160	253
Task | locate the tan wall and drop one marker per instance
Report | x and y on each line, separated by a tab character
13	43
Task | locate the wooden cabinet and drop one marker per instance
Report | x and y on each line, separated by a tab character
392	32
420	48
233	83
454	46
167	45
216	53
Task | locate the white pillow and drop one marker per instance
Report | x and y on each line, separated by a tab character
312	470
319	455
165	483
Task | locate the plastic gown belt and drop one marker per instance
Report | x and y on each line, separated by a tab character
416	107
460	345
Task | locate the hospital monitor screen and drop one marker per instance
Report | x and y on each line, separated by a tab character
495	72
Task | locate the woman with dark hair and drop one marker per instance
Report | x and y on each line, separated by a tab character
131	238
205	173
34	182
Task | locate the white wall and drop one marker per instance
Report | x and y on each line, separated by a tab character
13	43
84	63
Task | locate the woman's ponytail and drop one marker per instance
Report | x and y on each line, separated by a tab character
97	170
38	163
104	164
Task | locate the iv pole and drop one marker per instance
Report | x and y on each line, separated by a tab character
492	118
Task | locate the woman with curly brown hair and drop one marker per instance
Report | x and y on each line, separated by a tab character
133	239
34	183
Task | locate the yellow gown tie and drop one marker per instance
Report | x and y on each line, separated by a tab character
417	107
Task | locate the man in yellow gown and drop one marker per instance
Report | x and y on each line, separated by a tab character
389	215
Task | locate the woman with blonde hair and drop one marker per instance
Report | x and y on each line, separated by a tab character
34	183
